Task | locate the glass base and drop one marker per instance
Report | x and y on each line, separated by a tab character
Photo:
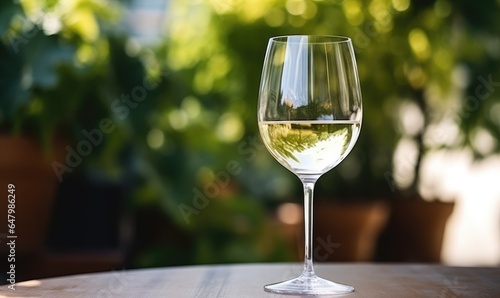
312	285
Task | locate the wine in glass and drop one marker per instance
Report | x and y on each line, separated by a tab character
309	116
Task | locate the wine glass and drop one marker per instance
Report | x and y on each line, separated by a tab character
309	116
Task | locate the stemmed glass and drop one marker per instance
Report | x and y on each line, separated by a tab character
309	116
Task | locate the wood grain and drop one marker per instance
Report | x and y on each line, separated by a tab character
247	280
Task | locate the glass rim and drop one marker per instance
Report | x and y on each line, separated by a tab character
321	39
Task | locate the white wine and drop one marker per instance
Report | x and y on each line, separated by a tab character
309	147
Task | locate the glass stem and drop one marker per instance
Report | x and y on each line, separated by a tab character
308	228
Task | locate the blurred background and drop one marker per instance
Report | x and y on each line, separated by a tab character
129	131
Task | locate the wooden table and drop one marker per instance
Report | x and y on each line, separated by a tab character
369	280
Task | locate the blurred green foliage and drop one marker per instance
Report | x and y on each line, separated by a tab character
425	54
192	141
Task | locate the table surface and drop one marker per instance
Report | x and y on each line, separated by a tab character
247	280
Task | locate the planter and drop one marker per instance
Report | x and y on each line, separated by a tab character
415	231
27	167
348	232
345	232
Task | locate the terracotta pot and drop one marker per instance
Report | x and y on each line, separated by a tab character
415	231
346	232
353	227
24	164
